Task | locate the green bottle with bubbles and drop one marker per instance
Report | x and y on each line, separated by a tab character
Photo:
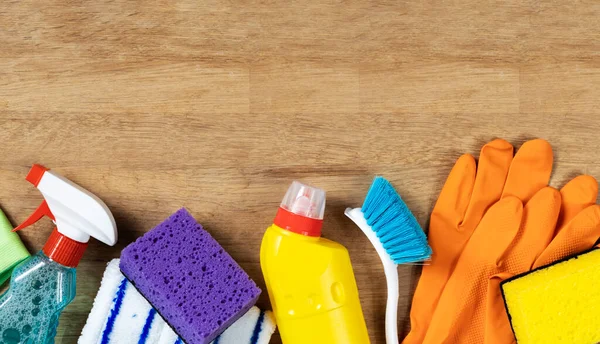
40	289
44	284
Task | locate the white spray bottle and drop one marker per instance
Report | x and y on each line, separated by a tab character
43	285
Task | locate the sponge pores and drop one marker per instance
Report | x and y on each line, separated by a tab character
187	276
558	303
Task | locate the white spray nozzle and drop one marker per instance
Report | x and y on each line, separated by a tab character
78	214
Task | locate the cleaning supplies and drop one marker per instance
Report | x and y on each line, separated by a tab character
44	284
460	313
12	250
470	309
310	279
539	219
470	190
190	280
557	303
577	230
397	237
121	315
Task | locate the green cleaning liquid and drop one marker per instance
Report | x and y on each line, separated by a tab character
43	285
39	290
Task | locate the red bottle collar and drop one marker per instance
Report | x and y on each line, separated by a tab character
64	250
297	223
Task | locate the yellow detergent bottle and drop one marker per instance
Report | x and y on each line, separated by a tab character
310	279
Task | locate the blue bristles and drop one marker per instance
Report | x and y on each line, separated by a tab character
395	225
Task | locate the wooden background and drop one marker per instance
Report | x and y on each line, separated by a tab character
218	105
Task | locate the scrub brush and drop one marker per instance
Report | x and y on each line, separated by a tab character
397	237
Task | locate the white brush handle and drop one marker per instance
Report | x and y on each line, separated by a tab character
391	275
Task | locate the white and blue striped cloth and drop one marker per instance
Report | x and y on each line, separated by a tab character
121	315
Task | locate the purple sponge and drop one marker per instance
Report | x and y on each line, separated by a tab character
187	276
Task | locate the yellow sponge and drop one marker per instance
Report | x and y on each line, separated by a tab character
558	303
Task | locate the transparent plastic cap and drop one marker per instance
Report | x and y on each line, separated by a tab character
304	200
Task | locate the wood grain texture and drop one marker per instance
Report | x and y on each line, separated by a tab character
218	105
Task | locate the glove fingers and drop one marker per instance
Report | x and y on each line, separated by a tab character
537	229
494	162
496	230
460	314
454	198
530	170
577	236
578	194
540	217
497	327
446	242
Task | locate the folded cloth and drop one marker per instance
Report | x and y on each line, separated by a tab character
12	250
121	315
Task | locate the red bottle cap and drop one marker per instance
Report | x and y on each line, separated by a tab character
63	250
298	223
302	210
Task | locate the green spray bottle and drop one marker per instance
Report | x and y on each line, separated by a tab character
44	284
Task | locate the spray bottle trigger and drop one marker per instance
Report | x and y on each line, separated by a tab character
42	210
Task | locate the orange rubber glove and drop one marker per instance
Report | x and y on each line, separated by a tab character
460	316
577	230
471	308
579	227
468	193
